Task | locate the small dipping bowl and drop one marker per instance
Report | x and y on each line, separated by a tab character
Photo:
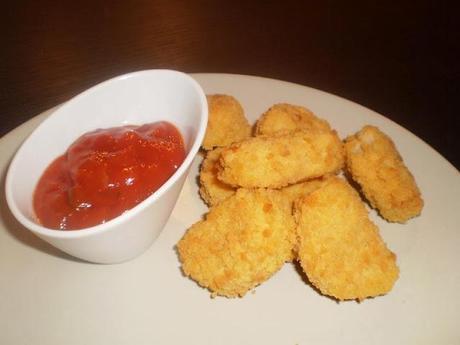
132	99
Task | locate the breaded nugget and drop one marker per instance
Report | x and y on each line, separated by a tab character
212	190
242	242
374	162
285	117
340	249
298	190
226	122
278	161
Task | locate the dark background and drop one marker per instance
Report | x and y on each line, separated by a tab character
398	59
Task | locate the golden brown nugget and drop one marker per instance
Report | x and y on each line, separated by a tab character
301	189
212	190
226	122
241	243
285	117
374	162
298	190
339	247
278	161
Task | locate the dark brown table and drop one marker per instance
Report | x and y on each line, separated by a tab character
397	59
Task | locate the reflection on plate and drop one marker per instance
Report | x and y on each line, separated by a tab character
47	297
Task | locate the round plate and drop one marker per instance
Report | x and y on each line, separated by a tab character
47	297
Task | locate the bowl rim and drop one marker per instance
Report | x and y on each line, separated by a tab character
128	214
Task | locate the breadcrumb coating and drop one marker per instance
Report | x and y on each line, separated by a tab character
275	162
301	189
374	162
212	190
298	190
285	117
339	247
241	243
227	123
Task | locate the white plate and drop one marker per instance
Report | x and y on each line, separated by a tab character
47	297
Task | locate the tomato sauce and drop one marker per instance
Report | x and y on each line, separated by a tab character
106	172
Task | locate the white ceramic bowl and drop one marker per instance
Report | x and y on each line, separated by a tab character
135	98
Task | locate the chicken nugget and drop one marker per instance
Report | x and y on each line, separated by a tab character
298	190
285	117
339	247
375	164
226	122
241	243
301	189
278	161
212	190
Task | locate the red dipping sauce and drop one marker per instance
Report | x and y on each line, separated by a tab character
106	172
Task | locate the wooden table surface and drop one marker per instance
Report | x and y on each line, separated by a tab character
397	59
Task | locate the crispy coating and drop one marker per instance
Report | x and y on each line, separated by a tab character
241	243
374	162
340	249
298	190
285	117
301	189
226	122
212	190
278	161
